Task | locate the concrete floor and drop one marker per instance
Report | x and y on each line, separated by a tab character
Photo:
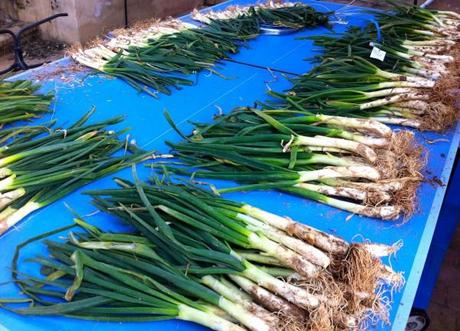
453	5
444	309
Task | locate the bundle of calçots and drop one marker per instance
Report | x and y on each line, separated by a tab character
198	257
38	168
158	57
18	101
413	83
248	21
358	165
352	86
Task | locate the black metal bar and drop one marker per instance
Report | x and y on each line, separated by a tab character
126	13
19	62
40	22
415	2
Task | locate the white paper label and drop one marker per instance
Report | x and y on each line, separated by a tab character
340	21
378	54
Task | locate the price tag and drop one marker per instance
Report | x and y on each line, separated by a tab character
378	54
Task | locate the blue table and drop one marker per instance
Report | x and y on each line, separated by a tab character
445	229
211	94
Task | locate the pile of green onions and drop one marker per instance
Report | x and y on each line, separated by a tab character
284	14
18	101
412	86
37	169
358	165
158	57
197	257
416	40
353	86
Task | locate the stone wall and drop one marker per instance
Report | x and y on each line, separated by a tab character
7	9
90	18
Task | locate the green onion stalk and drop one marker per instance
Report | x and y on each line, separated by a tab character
23	133
295	254
124	281
433	27
119	281
354	86
190	209
221	296
210	276
355	70
401	106
36	172
422	21
286	14
213	227
273	150
413	26
416	49
19	101
181	263
160	56
399	57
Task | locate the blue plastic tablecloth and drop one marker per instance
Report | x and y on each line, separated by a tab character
76	93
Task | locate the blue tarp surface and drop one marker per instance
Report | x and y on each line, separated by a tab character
78	92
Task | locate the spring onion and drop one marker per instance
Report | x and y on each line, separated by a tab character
18	101
158	57
273	149
36	172
410	85
187	260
